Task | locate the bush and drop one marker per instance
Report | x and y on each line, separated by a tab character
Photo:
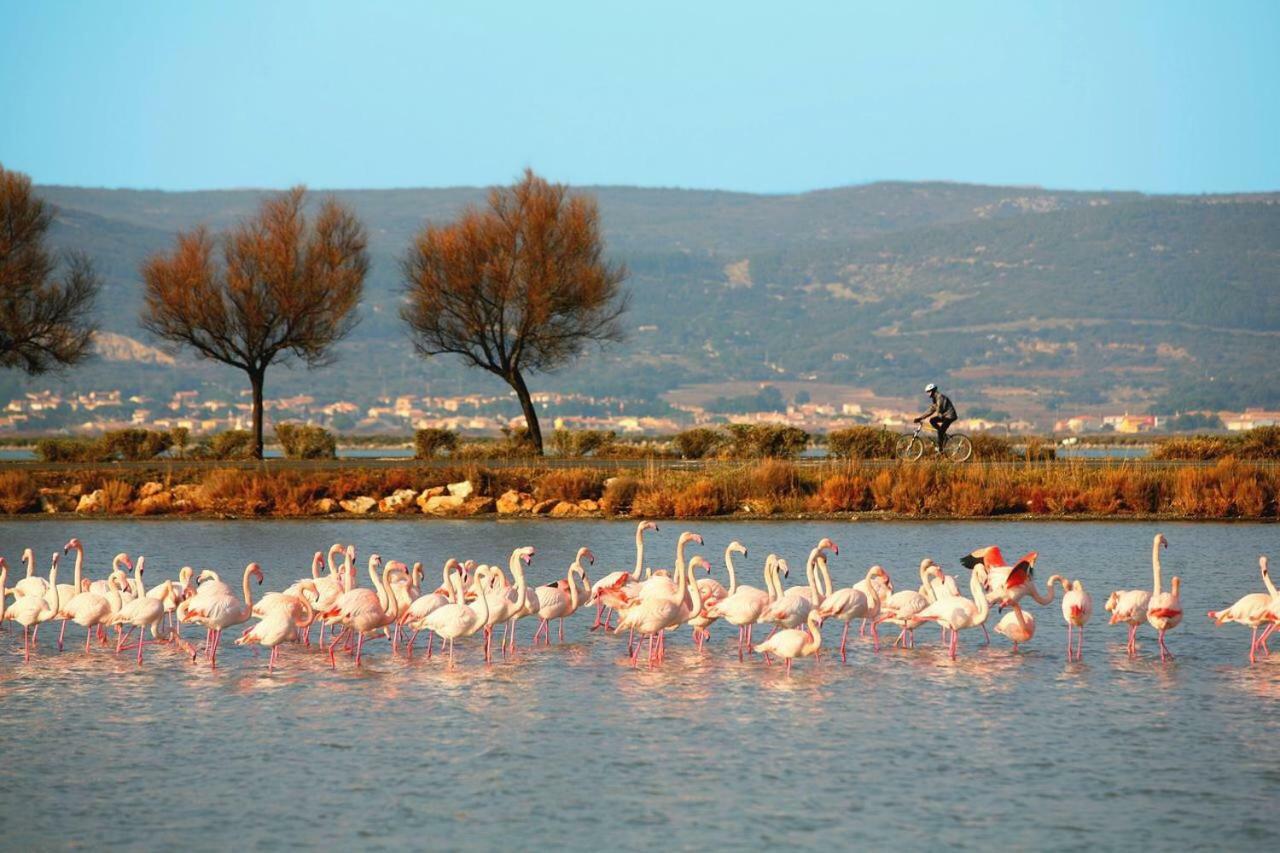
232	444
756	441
134	444
17	492
306	441
992	448
773	479
1196	448
619	495
69	450
181	438
843	493
697	443
582	442
653	502
229	490
698	500
570	484
1040	451
1260	443
116	495
862	442
428	443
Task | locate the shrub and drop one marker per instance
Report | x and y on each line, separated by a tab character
229	490
697	443
619	495
1040	451
756	441
570	484
843	493
862	442
1196	447
134	444
181	438
991	448
17	492
306	441
1260	443
582	442
429	442
69	450
231	444
653	502
773	479
699	499
116	495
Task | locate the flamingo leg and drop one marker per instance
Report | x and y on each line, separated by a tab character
1080	643
359	647
1068	641
844	637
986	634
1253	644
562	629
64	631
26	644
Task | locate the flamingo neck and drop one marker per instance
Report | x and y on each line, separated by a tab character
248	590
1155	567
979	598
1266	576
392	607
137	578
573	586
53	584
79	562
728	565
29	557
873	597
815	632
517	572
694	592
635	574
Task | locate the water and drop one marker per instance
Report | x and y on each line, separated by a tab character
572	748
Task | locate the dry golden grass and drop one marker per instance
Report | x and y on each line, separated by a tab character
116	496
18	492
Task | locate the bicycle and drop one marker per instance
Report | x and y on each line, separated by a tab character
957	448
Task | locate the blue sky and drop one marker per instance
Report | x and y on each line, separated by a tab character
769	97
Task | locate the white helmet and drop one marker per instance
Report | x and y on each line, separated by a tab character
930	388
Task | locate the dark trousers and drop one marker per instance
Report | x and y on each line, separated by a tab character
941	424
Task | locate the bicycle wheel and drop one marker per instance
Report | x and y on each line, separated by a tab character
959	448
909	448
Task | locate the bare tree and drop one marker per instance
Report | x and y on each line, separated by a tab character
45	321
520	286
284	287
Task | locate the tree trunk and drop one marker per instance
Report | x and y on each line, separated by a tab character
256	378
516	381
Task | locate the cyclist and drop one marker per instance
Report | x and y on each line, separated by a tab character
941	414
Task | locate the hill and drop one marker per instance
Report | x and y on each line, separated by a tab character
1018	298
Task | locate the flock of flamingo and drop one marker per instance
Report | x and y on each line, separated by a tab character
642	604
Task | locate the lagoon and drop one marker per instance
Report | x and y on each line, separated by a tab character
570	747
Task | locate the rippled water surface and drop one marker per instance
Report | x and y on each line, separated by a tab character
570	747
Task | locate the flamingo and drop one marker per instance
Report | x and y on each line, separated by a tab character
792	643
1250	610
363	611
656	610
958	612
1007	584
217	611
851	602
902	608
1164	610
30	609
557	600
457	618
32	584
882	587
712	591
522	600
605	591
424	605
1018	625
1130	605
791	609
280	625
743	605
1077	609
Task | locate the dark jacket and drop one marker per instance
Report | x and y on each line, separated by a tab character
943	408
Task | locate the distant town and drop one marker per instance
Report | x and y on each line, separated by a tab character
44	412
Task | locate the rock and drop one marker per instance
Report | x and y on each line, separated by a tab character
324	506
509	503
187	496
527	502
398	501
359	506
56	500
462	490
91	502
565	509
146	490
478	506
543	507
426	496
588	506
156	503
442	504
